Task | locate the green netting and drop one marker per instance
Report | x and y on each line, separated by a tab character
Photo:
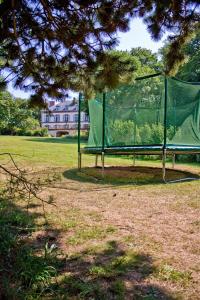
134	114
183	113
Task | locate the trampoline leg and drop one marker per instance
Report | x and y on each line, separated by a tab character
96	160
79	161
102	160
164	165
134	160
173	160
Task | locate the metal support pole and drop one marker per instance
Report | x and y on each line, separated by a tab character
103	133
134	160
79	161
96	160
79	130
165	115
173	160
165	135
164	164
102	159
103	121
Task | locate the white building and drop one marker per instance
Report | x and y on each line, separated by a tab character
62	118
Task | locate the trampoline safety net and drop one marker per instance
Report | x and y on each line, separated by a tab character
156	110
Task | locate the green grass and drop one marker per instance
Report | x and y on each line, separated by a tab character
118	289
41	151
23	273
49	152
84	234
55	152
120	265
44	153
81	252
167	272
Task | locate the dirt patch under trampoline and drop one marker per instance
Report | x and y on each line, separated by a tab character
130	174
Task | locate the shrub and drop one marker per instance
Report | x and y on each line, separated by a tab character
121	132
40	132
127	133
32	132
145	133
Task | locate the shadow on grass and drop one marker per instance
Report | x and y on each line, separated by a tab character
111	273
127	175
34	267
57	140
27	263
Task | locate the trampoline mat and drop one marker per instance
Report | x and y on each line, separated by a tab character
143	150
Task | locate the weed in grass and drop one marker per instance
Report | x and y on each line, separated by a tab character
65	223
110	229
120	265
69	224
100	271
107	248
129	240
92	233
81	288
35	271
78	257
168	273
118	289
13	224
25	273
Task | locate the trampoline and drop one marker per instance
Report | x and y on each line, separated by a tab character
156	115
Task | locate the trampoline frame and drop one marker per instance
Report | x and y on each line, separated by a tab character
162	150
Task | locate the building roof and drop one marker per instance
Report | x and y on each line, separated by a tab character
68	105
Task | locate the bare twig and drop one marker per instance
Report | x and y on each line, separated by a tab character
19	185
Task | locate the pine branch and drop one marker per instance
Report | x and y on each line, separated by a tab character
18	184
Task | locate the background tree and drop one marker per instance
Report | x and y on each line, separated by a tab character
149	62
119	67
16	118
190	69
48	43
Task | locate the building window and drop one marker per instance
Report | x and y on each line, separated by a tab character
86	118
57	118
76	118
52	118
47	118
66	118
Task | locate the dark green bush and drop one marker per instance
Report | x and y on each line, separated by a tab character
32	132
127	133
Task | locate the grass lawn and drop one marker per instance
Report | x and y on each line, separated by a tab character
127	236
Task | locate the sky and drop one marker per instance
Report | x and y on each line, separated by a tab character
137	36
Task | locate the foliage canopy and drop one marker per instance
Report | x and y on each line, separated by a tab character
16	118
46	44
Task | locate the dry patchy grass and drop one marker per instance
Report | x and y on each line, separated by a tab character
156	222
127	236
